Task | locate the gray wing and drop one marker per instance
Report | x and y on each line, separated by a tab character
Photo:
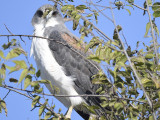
73	60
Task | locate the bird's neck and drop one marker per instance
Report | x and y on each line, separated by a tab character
52	22
39	30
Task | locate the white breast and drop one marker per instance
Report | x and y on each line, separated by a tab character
52	71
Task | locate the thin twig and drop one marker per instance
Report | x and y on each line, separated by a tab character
8	29
139	7
96	28
82	95
125	39
152	33
101	11
6	94
22	40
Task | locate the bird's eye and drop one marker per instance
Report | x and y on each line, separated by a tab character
54	13
39	13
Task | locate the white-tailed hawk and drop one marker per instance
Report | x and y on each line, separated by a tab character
62	61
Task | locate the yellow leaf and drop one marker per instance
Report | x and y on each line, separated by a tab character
23	75
27	81
35	100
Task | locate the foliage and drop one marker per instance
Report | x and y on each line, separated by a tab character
132	75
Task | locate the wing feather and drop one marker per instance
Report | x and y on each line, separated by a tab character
65	50
73	60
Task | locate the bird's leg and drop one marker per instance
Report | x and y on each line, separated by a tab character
69	111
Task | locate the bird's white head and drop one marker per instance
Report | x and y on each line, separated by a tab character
40	17
54	18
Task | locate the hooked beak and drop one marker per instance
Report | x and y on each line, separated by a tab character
49	15
47	12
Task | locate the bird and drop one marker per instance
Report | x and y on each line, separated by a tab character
62	61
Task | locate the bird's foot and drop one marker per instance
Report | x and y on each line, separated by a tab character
67	117
68	113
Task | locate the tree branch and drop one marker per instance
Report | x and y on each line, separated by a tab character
138	7
57	42
56	95
130	63
152	33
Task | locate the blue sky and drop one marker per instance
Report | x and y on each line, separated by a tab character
17	15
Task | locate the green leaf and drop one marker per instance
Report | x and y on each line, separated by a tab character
32	69
151	117
34	83
156	6
104	104
145	80
137	45
118	105
150	2
13	80
67	7
27	81
20	63
42	108
3	105
93	42
77	17
156	29
99	89
13	69
157	105
75	24
37	90
59	110
128	11
111	103
3	72
81	7
89	15
35	100
23	75
38	73
149	56
120	84
92	109
46	82
94	58
74	13
6	46
130	1
15	53
1	80
96	16
156	14
119	4
138	59
48	115
2	54
0	109
148	26
156	9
